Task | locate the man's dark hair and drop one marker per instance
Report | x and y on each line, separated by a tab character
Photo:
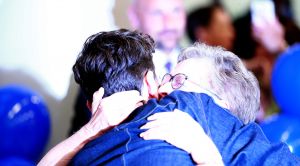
200	17
115	60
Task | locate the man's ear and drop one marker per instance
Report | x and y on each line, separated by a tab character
89	105
151	84
133	17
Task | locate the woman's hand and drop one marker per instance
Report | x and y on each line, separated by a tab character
111	111
181	130
271	35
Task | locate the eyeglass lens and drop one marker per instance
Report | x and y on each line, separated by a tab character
178	80
166	78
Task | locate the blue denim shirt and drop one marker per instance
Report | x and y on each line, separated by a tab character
238	144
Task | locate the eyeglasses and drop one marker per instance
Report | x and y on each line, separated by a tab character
176	81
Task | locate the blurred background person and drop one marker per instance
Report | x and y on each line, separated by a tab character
258	59
286	17
165	22
211	25
259	47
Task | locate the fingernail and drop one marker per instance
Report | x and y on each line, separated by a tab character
142	135
150	118
143	127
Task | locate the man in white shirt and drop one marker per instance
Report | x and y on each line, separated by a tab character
165	21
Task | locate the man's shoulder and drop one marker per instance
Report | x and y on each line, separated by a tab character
182	95
191	98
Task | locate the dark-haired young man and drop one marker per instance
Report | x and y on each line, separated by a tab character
164	21
211	25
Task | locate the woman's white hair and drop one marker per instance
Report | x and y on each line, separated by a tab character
231	80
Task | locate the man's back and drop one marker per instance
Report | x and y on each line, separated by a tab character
238	144
123	145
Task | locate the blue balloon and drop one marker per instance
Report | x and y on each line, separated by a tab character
284	128
15	161
24	123
286	81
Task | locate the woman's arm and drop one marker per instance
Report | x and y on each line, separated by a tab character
62	153
105	114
